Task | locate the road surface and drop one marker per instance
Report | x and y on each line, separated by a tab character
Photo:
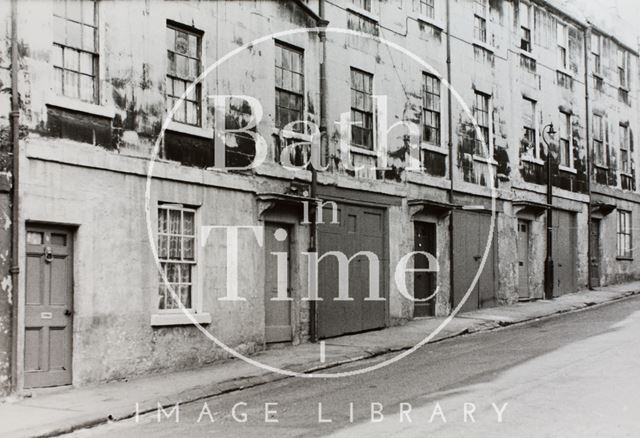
575	375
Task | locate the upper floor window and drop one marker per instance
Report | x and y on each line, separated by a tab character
596	50
624	234
623	68
289	86
480	8
482	114
183	67
563	43
625	159
426	8
177	255
363	4
361	109
598	140
566	152
480	28
525	27
75	49
529	128
431	109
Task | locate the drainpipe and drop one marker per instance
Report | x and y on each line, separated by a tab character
587	39
450	145
313	227
15	127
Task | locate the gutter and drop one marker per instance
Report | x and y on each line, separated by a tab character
324	139
587	39
450	145
15	199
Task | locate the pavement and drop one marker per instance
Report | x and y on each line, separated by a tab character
63	410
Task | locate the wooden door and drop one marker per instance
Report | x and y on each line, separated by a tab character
595	252
48	308
358	229
277	313
564	252
471	231
523	259
424	283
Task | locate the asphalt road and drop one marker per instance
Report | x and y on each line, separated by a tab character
576	375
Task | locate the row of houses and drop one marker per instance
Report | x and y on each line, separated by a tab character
495	135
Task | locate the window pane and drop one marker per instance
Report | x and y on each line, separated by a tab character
58	72
88	12
185	296
163	247
86	63
86	88
59	32
182	68
174	222
193	46
182	42
57	56
74	9
74	34
71	84
71	59
88	38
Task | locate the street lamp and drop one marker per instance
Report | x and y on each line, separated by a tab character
548	268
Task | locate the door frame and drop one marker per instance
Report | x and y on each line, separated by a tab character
19	325
291	269
386	267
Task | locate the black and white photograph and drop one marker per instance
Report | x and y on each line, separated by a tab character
319	218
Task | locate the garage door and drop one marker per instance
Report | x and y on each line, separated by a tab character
471	231
564	252
359	229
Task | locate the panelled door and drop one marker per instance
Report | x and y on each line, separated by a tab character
471	231
564	252
424	283
523	259
358	229
277	313
48	307
595	252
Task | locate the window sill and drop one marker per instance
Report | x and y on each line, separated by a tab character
292	134
527	54
165	319
364	13
627	174
434	148
485	159
601	166
486	46
566	72
533	160
567	169
363	151
83	107
624	259
196	131
430	21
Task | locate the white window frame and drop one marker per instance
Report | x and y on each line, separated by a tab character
528	25
626	146
489	140
162	317
567	117
425	144
536	132
623	252
624	54
600	161
596	50
562	43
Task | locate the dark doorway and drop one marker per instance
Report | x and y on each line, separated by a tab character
424	283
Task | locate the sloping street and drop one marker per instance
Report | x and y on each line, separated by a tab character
589	361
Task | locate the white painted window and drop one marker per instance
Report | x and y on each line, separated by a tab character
526	42
431	109
177	255
563	44
184	48
482	113
530	131
623	68
75	49
596	50
625	157
480	28
362	109
624	234
598	140
566	140
425	7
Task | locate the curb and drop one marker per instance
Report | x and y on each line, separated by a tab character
229	386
